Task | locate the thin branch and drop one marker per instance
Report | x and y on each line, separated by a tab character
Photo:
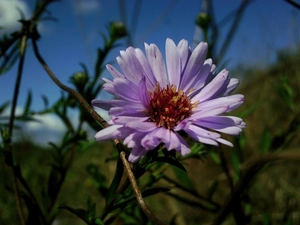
232	30
78	97
11	125
293	3
138	193
226	170
250	170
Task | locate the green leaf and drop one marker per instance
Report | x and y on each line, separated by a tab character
88	215
250	110
203	204
183	177
170	161
212	189
122	203
112	190
215	157
266	141
235	160
46	102
98	177
4	106
28	103
81	213
286	92
91	208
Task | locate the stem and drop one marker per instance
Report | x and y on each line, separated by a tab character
62	179
11	125
78	97
232	30
138	193
226	170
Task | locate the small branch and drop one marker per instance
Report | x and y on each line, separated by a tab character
232	30
78	97
138	193
226	170
11	125
250	170
293	3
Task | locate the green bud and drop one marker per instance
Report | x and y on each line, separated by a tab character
117	30
80	79
203	20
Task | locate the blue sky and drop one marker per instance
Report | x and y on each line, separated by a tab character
267	25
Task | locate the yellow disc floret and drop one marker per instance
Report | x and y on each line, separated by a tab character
168	107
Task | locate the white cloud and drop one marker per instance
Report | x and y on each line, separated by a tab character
48	127
10	14
86	6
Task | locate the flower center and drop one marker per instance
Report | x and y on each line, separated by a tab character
168	107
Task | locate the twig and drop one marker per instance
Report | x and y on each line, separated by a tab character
293	3
138	193
250	170
232	30
226	170
11	125
78	97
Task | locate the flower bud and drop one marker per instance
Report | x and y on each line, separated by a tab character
79	79
117	30
203	20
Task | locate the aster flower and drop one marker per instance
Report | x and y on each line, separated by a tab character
155	100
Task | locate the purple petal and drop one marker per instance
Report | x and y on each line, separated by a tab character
184	52
229	101
107	133
193	133
125	89
122	132
183	124
233	83
194	64
218	122
173	62
126	69
108	86
184	147
114	72
157	64
221	124
136	154
147	68
143	92
123	111
201	77
223	141
213	111
141	126
102	104
203	132
135	69
214	88
127	119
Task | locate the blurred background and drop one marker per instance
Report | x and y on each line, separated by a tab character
256	40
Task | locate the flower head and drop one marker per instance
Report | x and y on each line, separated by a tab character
157	99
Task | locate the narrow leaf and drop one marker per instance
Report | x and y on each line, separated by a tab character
112	190
170	161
